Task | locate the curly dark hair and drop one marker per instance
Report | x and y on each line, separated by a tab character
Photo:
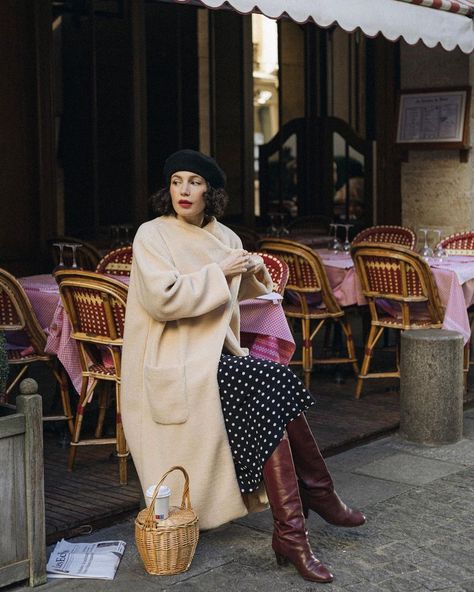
216	201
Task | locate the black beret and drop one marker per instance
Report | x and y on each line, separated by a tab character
195	162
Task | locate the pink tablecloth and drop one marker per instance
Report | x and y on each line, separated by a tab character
43	293
265	331
455	296
264	327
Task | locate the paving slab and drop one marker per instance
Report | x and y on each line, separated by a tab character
461	452
408	468
361	455
469	413
468	429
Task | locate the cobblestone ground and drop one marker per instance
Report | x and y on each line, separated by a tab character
419	533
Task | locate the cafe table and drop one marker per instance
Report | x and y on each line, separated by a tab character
454	277
264	328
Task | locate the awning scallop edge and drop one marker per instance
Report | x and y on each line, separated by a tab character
450	25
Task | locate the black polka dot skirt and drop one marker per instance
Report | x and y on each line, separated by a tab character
259	398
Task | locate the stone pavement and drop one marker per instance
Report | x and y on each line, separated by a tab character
419	534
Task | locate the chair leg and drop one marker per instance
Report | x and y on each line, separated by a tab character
103	404
15	381
61	379
350	345
121	446
84	399
374	335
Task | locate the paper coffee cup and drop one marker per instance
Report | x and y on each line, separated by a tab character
162	501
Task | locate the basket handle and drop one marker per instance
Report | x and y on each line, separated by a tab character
185	500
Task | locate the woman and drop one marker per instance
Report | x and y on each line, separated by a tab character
193	397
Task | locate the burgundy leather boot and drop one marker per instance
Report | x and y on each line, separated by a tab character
316	486
290	539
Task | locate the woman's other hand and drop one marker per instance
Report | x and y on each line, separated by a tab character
235	263
255	264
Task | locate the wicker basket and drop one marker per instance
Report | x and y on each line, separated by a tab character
167	546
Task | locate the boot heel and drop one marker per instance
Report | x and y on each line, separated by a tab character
281	559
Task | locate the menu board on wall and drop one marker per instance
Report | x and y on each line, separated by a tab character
433	117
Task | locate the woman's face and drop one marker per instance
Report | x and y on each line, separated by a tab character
187	195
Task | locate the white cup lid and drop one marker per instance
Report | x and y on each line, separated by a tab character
164	491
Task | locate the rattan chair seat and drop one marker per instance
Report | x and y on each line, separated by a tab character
397	323
15	356
312	312
102	371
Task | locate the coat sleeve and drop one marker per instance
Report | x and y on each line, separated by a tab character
164	292
255	285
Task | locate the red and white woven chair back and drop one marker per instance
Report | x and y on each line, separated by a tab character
396	273
461	243
306	273
392	235
95	306
116	262
16	312
278	270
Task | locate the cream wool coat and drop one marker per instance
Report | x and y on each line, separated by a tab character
181	311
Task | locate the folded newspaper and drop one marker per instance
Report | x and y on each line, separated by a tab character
85	560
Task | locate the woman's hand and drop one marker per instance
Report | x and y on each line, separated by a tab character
235	263
255	265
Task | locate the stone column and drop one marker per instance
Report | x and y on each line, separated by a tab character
431	386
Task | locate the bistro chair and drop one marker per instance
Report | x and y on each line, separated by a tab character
387	234
461	243
95	305
278	270
307	280
401	293
116	262
87	256
16	314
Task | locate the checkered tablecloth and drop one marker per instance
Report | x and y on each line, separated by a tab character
264	327
43	293
265	331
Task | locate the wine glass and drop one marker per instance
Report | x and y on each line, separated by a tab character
282	230
74	248
439	251
272	230
60	247
426	250
114	236
335	244
347	243
127	229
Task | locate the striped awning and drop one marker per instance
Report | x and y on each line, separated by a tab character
445	22
465	7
